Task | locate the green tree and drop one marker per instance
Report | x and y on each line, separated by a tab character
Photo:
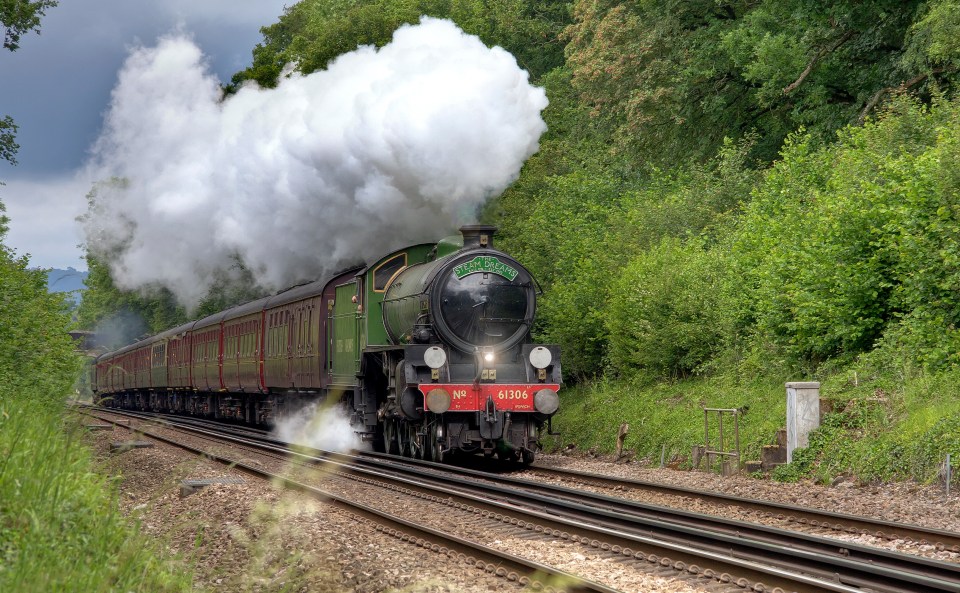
36	353
562	238
311	33
120	317
847	247
666	314
672	79
8	140
21	16
581	232
572	145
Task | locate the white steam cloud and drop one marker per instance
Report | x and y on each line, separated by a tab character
319	427
384	148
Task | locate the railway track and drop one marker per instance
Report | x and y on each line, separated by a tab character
712	551
823	521
881	570
457	549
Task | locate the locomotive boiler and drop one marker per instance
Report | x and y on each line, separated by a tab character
428	348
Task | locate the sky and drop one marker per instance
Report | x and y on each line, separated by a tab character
57	87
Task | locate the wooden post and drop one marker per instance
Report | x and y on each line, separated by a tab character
621	435
696	454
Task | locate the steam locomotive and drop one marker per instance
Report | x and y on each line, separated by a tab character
428	349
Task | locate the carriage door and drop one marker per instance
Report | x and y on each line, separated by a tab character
344	348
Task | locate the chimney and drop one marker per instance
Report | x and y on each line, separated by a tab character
478	235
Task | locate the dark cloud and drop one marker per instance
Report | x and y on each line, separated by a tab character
57	87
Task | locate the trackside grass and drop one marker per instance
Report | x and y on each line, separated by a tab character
60	528
889	425
666	417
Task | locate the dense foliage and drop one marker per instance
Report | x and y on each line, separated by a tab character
59	527
311	33
829	253
856	245
121	317
21	16
8	140
673	79
36	352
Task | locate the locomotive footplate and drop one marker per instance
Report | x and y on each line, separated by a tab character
506	397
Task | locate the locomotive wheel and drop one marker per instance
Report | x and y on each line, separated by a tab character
429	443
390	443
436	448
416	442
527	457
403	440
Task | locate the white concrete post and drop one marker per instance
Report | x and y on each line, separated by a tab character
803	414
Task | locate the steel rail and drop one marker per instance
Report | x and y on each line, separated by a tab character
745	572
853	564
891	563
804	515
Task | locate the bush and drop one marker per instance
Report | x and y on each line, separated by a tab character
666	311
847	246
578	231
37	360
563	239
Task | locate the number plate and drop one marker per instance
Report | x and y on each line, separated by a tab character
515	397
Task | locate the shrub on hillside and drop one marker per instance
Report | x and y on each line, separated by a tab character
36	353
857	243
563	239
666	312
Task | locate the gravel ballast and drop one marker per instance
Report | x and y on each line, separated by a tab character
256	537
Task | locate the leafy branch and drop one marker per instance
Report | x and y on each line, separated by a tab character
875	99
816	59
21	16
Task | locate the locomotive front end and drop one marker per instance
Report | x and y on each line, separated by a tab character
470	376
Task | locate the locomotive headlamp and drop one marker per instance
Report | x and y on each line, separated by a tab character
540	357
435	357
546	401
438	400
488	355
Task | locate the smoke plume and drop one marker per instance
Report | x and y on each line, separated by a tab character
383	148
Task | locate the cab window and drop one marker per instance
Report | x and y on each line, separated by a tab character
387	270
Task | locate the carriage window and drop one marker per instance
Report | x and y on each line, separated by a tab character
387	270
